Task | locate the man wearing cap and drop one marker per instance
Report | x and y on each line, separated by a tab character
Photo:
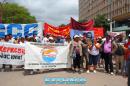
51	40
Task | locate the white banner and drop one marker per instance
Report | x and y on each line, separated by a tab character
46	56
12	53
113	34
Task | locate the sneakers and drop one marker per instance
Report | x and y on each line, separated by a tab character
95	71
112	73
31	72
88	71
76	70
82	70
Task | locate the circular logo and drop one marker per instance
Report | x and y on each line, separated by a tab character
49	55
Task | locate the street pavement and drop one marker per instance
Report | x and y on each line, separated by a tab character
17	78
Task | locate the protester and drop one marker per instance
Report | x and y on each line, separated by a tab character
127	55
7	39
129	74
51	40
101	53
76	50
84	51
59	39
93	49
2	40
34	38
11	39
67	40
127	59
16	41
38	39
46	39
26	38
107	48
82	57
22	40
119	53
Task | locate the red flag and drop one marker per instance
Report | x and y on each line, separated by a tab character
57	31
98	32
81	26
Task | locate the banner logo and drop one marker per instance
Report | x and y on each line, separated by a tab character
49	55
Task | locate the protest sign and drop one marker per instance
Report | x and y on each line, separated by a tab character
12	54
46	56
19	30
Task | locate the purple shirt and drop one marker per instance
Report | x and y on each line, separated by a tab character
107	47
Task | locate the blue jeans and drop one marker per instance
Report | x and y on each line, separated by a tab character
126	66
129	73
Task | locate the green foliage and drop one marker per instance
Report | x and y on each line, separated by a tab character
101	21
62	25
82	21
13	13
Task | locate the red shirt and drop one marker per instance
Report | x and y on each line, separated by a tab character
127	44
127	53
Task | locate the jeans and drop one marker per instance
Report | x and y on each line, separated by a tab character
126	67
93	59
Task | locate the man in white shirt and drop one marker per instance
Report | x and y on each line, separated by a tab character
45	39
11	39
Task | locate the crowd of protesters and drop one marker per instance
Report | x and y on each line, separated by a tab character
9	39
86	54
112	53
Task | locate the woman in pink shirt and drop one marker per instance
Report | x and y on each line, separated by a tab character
107	48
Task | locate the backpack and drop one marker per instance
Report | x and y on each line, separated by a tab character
120	50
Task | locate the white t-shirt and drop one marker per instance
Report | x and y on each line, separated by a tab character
11	40
93	51
45	40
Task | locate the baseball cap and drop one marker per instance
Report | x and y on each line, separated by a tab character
129	35
80	35
76	36
50	38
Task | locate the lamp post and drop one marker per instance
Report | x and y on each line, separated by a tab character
110	4
111	25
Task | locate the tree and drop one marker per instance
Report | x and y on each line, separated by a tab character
13	13
101	21
62	25
82	21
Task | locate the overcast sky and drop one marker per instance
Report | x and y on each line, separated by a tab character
53	12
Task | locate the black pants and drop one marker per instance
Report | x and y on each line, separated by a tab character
76	61
129	74
81	62
3	66
108	62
